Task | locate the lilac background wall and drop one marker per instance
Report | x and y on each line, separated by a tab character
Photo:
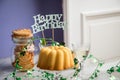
19	14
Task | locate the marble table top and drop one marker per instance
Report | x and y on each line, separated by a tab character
6	68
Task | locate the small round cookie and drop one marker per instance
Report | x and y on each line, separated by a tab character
22	33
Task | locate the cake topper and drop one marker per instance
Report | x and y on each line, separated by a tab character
43	22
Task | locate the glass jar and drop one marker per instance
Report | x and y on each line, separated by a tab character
23	54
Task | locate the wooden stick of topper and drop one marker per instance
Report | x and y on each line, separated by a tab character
52	34
43	35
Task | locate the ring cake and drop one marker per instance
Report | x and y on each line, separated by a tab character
55	58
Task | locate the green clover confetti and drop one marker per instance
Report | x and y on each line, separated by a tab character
112	78
50	76
61	78
18	78
22	53
17	66
84	57
76	72
29	73
53	43
118	68
43	41
101	64
12	74
75	61
90	56
62	43
96	71
111	70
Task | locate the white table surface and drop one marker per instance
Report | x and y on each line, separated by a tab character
6	68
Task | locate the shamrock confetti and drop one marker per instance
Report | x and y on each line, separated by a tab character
112	78
17	66
44	75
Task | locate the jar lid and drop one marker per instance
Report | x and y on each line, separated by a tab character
21	36
22	33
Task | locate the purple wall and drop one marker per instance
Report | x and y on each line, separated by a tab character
19	14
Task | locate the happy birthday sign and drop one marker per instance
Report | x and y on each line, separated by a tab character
43	22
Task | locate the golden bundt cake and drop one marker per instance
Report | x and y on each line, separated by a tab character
55	58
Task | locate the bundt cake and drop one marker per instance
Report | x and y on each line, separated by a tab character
55	58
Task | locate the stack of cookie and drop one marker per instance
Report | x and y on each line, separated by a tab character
22	33
24	48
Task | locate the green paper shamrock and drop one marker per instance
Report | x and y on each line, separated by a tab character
48	76
53	43
76	72
62	43
22	53
110	70
90	56
18	79
101	64
43	41
112	78
17	66
61	78
118	68
75	61
12	74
